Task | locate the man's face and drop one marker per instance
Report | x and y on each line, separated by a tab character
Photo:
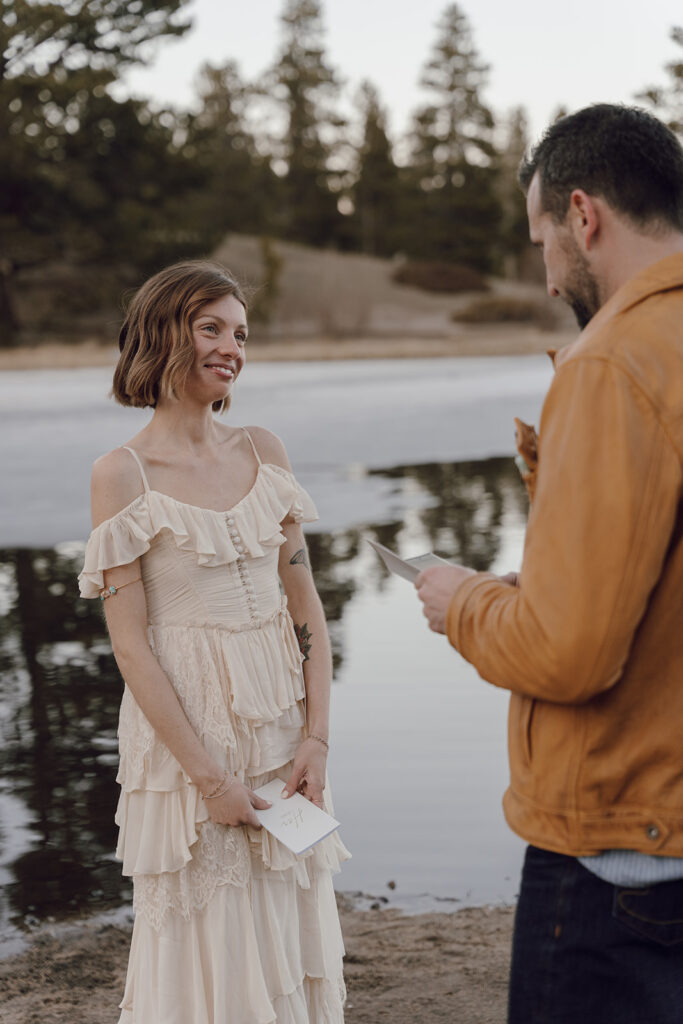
568	274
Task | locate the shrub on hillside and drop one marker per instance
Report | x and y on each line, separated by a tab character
506	309
440	277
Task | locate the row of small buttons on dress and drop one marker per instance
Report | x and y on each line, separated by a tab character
245	578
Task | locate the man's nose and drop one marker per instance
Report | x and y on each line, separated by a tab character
552	290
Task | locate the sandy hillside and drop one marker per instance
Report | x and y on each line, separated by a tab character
341	304
328	294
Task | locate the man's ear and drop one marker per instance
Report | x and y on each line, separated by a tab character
584	217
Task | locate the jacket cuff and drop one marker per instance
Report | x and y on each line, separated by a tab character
458	602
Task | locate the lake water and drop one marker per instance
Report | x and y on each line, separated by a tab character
415	454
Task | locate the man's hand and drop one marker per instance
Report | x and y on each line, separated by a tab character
435	588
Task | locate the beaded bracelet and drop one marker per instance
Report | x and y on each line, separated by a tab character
312	736
220	789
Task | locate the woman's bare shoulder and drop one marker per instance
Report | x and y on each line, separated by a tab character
269	447
114	484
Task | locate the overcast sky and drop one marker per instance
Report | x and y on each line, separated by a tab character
542	54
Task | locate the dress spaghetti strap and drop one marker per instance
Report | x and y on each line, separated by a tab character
253	446
139	462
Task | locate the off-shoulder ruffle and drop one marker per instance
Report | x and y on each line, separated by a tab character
275	496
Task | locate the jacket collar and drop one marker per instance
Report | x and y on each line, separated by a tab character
664	275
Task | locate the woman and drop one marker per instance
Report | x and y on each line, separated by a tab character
194	521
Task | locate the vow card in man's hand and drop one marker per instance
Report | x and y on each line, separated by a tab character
408	568
296	822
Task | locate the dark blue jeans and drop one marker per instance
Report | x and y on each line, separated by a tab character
587	952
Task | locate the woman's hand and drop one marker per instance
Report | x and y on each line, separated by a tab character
308	772
236	806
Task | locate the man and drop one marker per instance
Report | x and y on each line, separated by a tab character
589	638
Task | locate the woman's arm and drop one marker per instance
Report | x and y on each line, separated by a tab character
126	616
308	771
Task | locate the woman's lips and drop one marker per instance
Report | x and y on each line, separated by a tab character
226	372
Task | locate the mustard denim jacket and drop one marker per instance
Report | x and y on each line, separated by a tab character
591	642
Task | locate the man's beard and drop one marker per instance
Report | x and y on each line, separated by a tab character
581	291
584	310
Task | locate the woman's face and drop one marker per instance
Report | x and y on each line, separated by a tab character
220	332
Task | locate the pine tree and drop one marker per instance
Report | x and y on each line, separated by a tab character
453	153
514	228
63	138
239	190
306	86
376	190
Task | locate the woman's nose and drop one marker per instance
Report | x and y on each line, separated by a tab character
230	345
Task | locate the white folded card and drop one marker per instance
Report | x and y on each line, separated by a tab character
408	568
296	822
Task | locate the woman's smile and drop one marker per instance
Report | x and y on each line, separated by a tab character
227	372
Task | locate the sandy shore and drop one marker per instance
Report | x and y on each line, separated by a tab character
498	340
400	969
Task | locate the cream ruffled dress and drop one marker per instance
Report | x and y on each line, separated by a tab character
230	927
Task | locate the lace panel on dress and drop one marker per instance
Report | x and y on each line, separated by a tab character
219	857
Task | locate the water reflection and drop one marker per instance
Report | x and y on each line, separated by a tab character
60	689
464	521
59	696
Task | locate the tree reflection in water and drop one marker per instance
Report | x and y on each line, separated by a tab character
464	521
59	694
60	688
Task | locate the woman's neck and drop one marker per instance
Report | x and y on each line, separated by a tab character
186	425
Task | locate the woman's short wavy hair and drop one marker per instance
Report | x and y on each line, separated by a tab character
155	341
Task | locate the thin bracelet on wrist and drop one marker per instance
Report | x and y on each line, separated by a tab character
222	787
312	736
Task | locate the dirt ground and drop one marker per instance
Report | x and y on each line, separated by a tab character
400	969
497	340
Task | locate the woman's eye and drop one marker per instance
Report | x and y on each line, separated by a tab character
240	337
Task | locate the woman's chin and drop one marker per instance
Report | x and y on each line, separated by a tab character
207	395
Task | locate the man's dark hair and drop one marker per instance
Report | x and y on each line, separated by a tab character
623	154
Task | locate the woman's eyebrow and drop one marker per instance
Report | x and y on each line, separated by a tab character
220	320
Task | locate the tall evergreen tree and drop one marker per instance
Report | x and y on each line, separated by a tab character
453	150
376	190
63	138
307	86
239	190
514	229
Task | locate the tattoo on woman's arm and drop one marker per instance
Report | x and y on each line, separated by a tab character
300	558
303	635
